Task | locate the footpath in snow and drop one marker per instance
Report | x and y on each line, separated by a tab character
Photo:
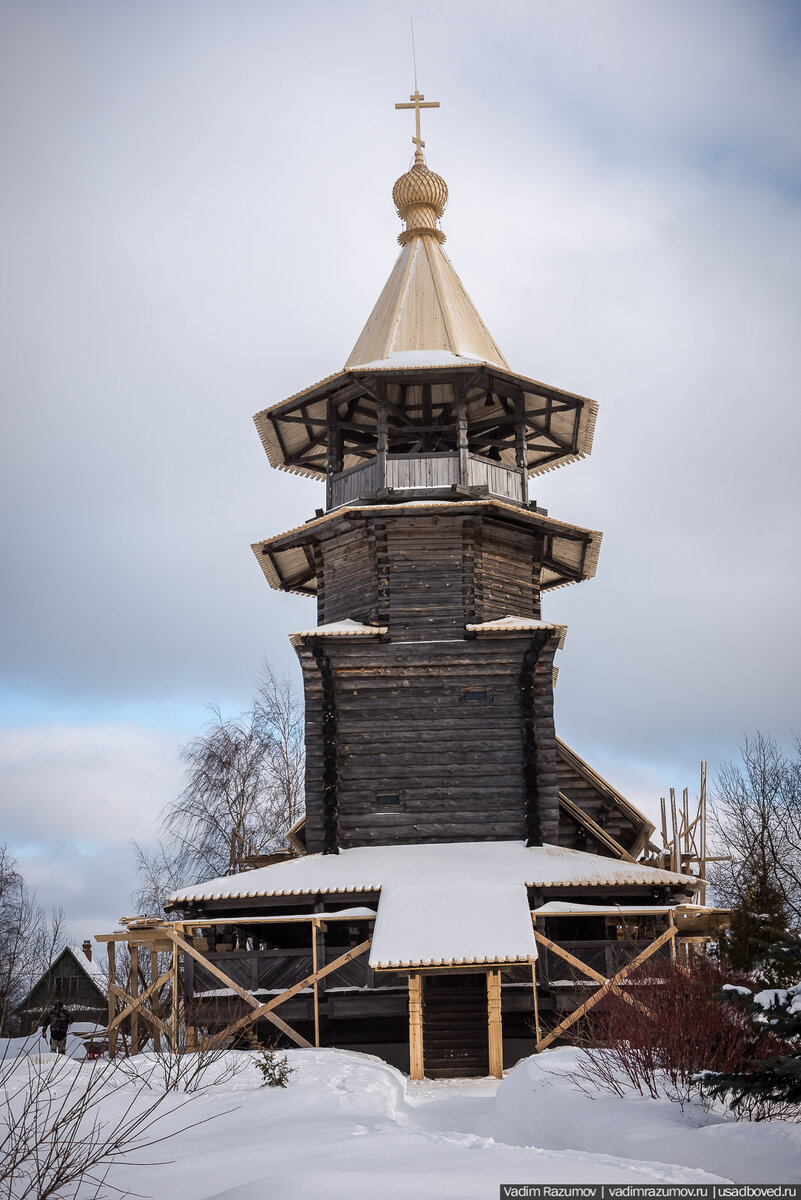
350	1127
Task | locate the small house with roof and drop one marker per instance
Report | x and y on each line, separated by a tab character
74	978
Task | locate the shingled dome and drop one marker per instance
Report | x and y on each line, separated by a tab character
420	197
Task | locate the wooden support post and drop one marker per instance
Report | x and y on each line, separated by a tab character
134	992
382	436
674	845
416	1026
174	1020
461	440
520	444
112	1000
672	930
314	926
702	833
536	1002
334	452
495	1024
154	1003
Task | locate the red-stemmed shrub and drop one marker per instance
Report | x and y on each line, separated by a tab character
675	1030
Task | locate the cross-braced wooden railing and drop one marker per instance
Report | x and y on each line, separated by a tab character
171	936
611	984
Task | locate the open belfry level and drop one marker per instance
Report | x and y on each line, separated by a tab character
464	885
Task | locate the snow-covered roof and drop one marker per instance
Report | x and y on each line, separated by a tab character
90	967
561	908
459	865
278	918
346	628
434	924
516	624
409	359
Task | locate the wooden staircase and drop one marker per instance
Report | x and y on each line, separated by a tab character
455	1040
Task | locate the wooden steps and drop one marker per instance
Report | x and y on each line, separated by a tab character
455	1040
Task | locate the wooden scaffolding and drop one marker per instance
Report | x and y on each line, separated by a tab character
139	1006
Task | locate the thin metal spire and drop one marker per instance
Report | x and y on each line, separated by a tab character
414	56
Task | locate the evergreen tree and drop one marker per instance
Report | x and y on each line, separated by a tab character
757	937
769	1086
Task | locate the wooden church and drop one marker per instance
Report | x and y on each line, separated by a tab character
463	883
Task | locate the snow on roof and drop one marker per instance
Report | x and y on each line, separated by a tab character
90	967
433	924
420	358
503	624
340	914
338	629
459	865
556	908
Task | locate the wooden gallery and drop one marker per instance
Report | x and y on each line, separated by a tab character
463	884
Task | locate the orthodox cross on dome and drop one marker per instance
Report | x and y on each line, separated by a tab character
417	102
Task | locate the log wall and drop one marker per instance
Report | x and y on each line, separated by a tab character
435	741
426	575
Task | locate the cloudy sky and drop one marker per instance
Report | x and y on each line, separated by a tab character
196	221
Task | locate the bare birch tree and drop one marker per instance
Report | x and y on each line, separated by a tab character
243	781
30	937
756	819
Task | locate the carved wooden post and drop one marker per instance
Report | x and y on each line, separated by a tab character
536	1002
672	926
112	999
520	445
382	435
416	1026
314	925
174	1021
494	1024
133	991
461	441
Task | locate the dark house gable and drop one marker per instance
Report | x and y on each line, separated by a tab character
74	979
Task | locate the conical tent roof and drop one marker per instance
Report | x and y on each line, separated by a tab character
424	310
424	331
424	316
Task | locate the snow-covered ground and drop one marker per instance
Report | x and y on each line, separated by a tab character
350	1127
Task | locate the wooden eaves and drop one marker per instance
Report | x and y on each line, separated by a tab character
288	567
560	424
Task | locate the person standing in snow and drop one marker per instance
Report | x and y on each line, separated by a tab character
58	1018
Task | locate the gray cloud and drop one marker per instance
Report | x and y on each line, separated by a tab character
196	224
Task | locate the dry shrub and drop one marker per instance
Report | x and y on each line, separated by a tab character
58	1132
677	1029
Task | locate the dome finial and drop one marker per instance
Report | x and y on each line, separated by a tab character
420	196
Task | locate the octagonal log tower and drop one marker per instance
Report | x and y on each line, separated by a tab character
429	676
